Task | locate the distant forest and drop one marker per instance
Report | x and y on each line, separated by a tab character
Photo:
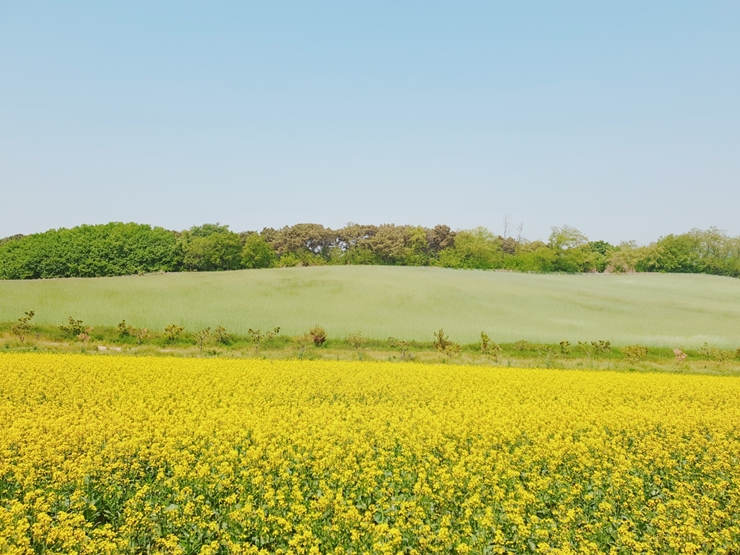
116	249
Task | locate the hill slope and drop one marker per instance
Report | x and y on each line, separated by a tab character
405	302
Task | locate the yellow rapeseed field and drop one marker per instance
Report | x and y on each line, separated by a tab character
157	455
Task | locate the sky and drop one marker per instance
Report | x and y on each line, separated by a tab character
619	118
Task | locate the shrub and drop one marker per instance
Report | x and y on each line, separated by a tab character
402	346
635	353
75	327
142	335
565	347
523	345
488	347
443	344
202	336
485	342
356	340
318	335
720	355
602	346
222	336
125	330
258	337
172	332
584	347
23	326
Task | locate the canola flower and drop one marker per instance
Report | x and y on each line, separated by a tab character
153	455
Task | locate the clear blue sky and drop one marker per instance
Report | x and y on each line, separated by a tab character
619	118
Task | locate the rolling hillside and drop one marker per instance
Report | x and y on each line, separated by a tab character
405	302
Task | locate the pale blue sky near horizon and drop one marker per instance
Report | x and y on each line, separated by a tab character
619	118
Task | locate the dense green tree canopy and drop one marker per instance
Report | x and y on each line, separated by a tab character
128	248
90	250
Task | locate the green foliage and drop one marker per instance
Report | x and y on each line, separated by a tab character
567	237
211	247
77	330
565	347
388	244
122	249
112	249
124	330
474	249
74	327
626	258
223	337
601	254
23	326
257	253
361	256
572	251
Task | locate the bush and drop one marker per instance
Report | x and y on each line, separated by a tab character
635	353
172	332
23	326
318	335
258	337
488	347
142	335
713	353
124	330
222	336
202	336
75	327
523	345
602	346
356	340
402	346
443	344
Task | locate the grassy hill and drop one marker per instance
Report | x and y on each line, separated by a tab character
405	302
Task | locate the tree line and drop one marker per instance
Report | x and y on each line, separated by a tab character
117	248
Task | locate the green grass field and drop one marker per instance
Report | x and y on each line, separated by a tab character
405	302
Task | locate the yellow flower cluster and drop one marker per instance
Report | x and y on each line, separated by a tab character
155	455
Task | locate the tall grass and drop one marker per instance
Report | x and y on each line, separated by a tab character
404	302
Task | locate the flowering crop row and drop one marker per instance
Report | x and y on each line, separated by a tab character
155	455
